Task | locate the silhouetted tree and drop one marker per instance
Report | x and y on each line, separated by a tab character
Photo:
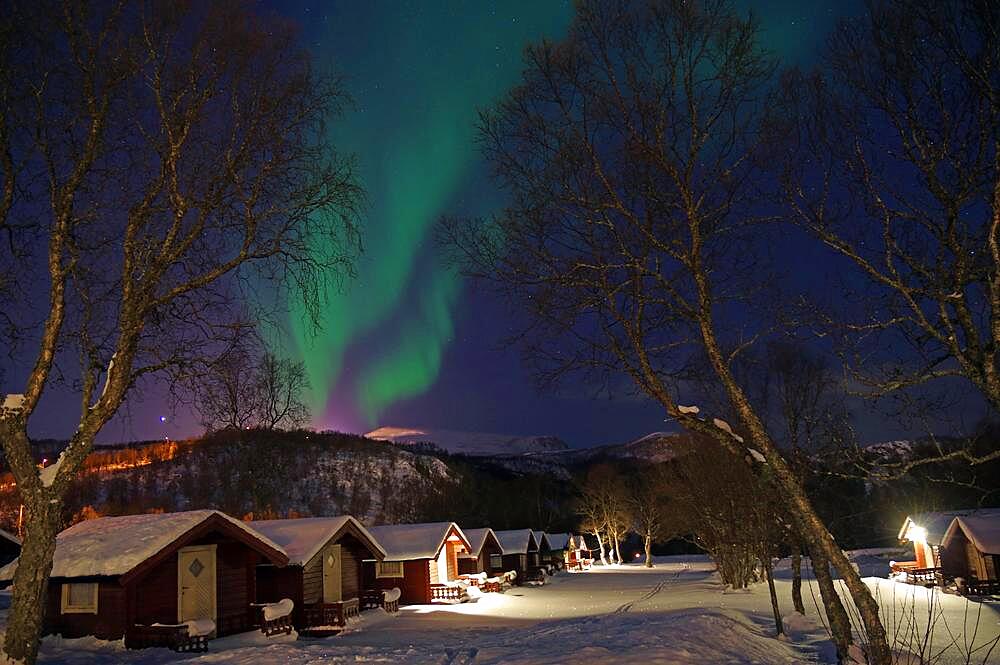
154	159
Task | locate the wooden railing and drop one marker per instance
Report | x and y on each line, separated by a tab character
330	614
444	592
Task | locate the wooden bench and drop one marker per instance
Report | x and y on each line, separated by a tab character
374	598
175	638
443	592
272	627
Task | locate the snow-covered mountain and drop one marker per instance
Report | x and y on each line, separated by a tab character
476	444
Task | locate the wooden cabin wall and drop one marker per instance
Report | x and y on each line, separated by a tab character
275	583
415	585
490	548
155	593
352	552
108	624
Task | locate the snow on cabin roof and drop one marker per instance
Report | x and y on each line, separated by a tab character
404	542
477	538
558	541
111	546
983	531
518	541
302	538
937	523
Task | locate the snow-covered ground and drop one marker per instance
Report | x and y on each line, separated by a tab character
677	612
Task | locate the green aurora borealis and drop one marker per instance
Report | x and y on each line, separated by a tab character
418	71
417	80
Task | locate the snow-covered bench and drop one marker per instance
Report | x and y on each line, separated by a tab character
390	599
276	617
187	637
387	599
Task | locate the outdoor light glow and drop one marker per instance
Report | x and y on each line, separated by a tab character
916	534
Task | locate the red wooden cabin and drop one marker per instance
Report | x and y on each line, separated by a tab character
323	576
419	559
926	531
112	575
485	555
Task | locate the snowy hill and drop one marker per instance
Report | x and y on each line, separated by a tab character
477	444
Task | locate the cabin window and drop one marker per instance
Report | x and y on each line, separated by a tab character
79	598
388	569
496	561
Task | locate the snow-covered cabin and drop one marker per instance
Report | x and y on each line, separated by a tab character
485	554
518	547
970	549
112	573
577	555
558	545
926	532
324	565
10	547
544	550
417	558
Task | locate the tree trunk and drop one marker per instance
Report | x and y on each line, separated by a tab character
618	553
600	544
649	550
840	623
797	580
31	579
814	531
778	627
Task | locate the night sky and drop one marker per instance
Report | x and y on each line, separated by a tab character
407	343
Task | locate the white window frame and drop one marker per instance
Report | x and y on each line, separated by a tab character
87	608
395	569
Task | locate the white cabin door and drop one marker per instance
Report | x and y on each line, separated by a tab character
196	583
332	567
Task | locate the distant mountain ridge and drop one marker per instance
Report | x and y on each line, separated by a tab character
475	444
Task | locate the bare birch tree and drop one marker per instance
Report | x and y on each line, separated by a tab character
630	241
891	158
155	159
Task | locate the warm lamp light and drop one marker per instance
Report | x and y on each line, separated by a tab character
916	534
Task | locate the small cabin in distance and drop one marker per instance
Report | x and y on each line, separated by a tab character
113	576
485	554
926	533
324	572
420	559
544	552
558	544
970	550
518	547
